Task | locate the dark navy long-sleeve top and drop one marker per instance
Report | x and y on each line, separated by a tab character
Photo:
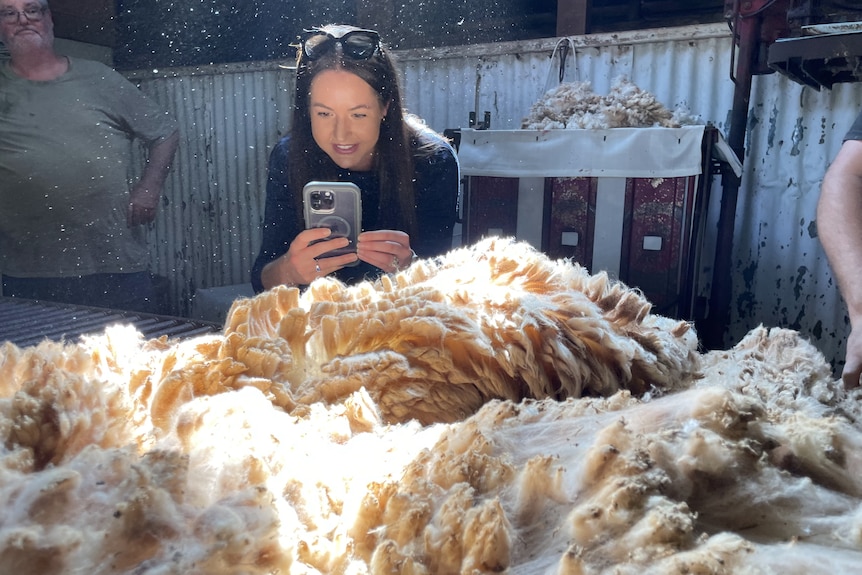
436	187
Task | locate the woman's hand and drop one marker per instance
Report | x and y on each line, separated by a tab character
302	264
389	250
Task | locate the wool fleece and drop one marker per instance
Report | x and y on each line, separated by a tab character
489	411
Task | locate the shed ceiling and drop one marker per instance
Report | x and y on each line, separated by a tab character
89	21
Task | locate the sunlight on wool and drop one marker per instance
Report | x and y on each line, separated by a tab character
392	449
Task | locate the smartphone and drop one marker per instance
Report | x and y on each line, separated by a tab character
337	206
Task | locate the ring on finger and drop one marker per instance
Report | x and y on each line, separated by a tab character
317	267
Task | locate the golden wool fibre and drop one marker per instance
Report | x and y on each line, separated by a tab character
435	342
458	440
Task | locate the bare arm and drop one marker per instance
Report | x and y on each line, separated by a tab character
146	193
839	225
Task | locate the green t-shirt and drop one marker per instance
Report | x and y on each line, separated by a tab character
66	171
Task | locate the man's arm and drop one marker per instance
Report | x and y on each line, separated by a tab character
839	226
144	198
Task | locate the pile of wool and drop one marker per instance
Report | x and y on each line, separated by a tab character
321	433
574	105
434	343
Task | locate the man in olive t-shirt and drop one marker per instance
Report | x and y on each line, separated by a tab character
71	218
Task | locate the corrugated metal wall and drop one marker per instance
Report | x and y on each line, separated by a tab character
781	275
231	117
679	65
208	231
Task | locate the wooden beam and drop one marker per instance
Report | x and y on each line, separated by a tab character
573	17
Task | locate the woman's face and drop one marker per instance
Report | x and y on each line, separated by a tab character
345	118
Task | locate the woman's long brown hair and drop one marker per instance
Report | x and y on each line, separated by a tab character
400	137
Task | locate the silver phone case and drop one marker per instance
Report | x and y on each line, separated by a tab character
337	206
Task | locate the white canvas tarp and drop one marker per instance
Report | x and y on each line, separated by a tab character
616	152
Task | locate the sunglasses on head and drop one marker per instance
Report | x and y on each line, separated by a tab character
356	44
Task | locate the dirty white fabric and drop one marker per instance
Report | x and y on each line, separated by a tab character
615	152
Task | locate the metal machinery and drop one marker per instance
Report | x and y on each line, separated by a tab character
824	43
814	42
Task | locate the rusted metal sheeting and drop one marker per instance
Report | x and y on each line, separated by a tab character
781	275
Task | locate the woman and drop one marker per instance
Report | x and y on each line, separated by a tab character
349	125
